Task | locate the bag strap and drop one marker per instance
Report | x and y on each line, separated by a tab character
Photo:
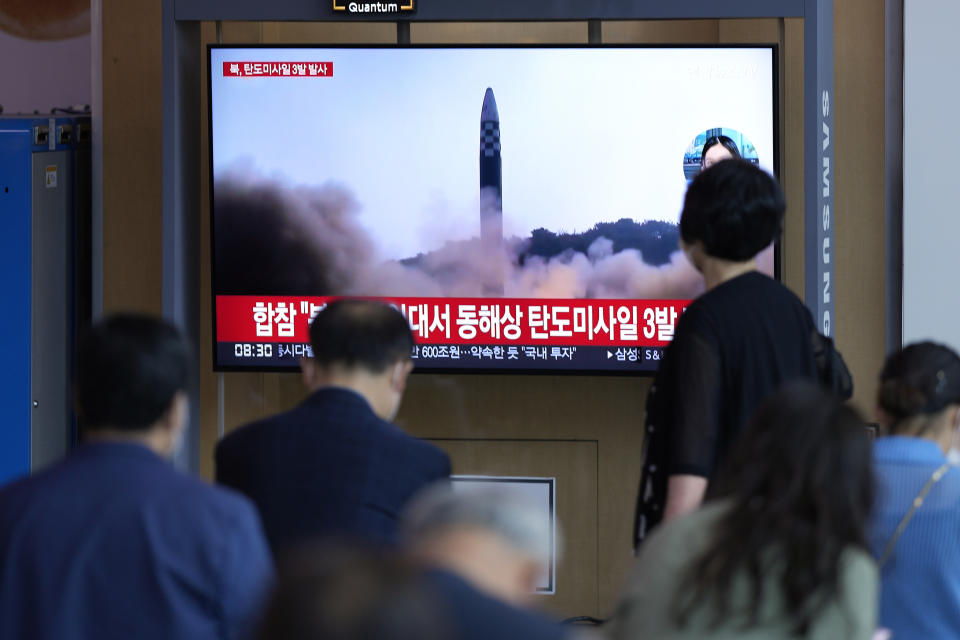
831	368
917	503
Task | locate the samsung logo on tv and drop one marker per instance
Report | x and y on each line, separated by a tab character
372	7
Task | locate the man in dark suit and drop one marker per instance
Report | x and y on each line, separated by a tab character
335	465
113	542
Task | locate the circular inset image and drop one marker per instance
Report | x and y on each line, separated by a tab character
714	145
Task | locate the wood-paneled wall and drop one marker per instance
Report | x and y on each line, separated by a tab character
602	412
858	214
131	155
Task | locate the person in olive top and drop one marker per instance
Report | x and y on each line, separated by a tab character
782	551
335	465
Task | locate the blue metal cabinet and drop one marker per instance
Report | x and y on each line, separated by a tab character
39	160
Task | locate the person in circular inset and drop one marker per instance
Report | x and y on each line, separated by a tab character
718	148
713	145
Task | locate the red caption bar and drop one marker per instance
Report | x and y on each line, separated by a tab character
278	69
481	321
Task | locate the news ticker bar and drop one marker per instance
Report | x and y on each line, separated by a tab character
467	322
521	357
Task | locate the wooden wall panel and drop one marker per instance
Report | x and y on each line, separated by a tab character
750	31
660	32
858	183
131	155
498	32
620	427
241	32
791	154
321	33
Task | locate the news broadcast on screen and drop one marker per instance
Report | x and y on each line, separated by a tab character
519	205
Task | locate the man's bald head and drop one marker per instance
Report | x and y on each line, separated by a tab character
361	345
360	334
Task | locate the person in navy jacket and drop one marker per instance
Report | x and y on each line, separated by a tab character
113	542
335	465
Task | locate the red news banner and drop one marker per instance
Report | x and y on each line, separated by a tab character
481	321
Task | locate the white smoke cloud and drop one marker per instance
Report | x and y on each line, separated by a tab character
312	236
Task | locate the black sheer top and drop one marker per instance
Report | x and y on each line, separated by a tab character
733	346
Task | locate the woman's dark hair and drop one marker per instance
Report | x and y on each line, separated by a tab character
734	208
725	141
341	591
360	333
920	379
799	485
128	368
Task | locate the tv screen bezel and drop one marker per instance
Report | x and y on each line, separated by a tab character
773	47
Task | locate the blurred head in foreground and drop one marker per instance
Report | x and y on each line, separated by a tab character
132	374
349	592
498	541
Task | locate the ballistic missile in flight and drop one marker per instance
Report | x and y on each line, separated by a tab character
491	193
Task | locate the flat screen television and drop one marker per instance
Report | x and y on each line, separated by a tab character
518	204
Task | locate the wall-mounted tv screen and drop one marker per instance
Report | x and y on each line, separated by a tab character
519	205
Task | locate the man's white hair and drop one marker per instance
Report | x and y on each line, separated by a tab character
515	519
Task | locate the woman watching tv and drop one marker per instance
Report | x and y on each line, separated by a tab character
781	552
915	530
718	148
733	346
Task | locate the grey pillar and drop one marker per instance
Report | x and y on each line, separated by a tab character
819	179
893	167
181	196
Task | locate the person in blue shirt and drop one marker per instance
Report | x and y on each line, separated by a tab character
113	542
915	533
